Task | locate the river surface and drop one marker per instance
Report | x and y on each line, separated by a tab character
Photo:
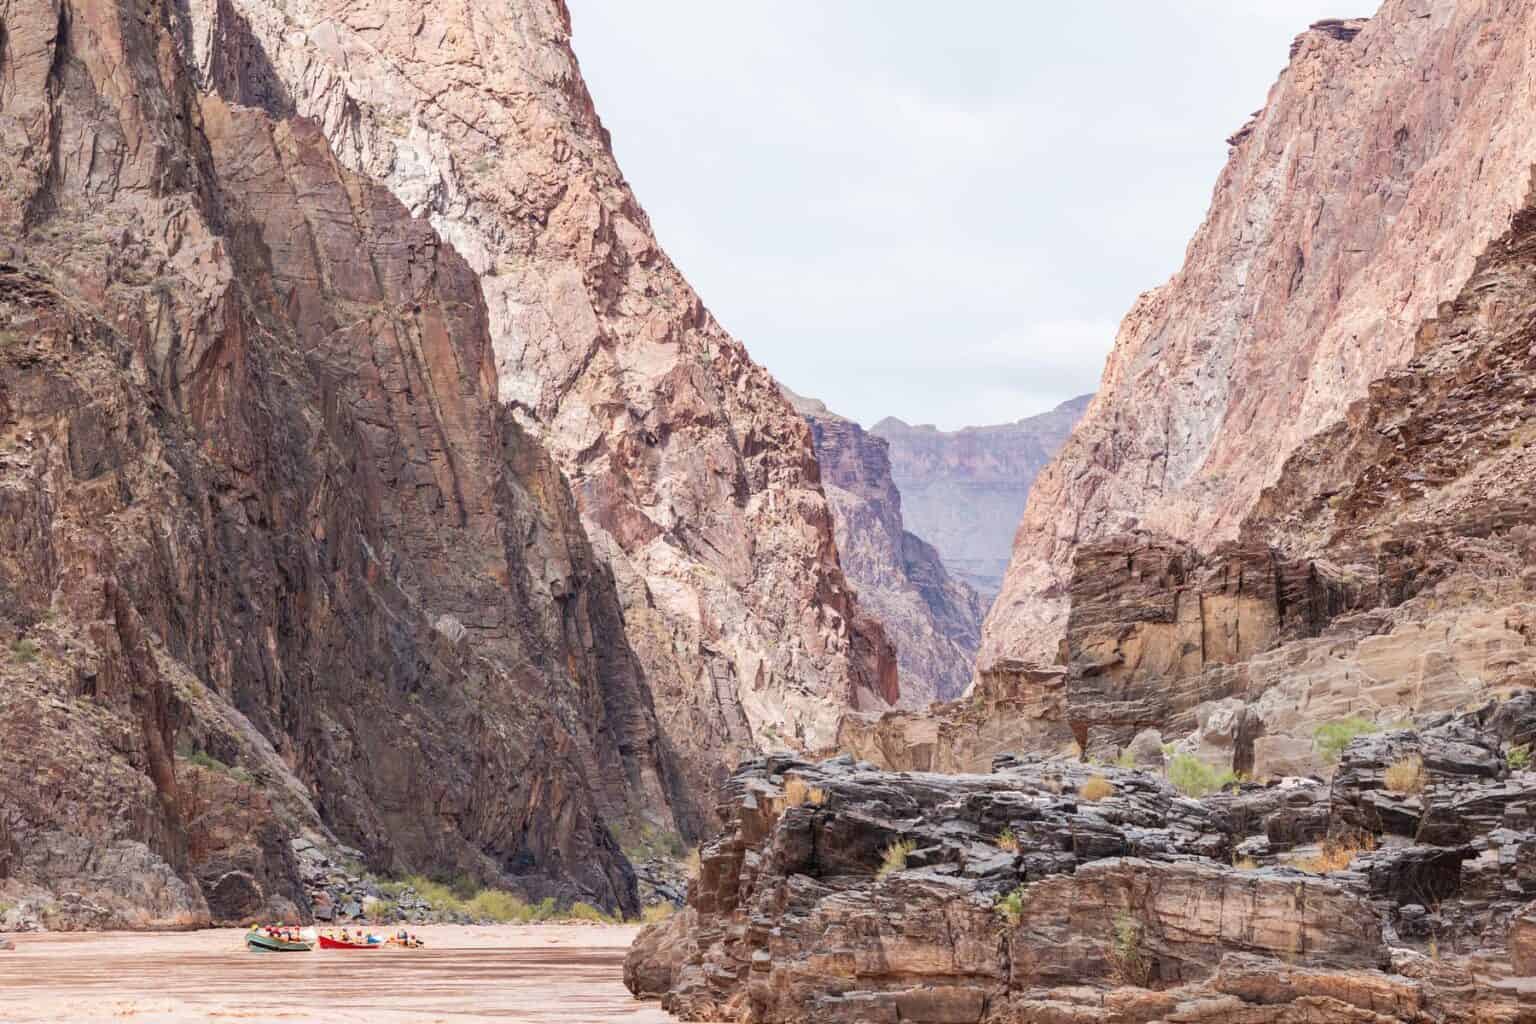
545	973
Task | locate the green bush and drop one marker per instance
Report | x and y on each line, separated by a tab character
1125	954
1193	777
443	899
203	759
1331	738
24	652
383	910
499	906
1519	758
1011	906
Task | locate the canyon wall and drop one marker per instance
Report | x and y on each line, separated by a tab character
695	478
369	481
1388	156
933	619
965	490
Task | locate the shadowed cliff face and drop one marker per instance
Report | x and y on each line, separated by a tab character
694	477
1385	160
933	619
258	496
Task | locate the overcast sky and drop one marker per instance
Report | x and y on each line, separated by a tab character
932	211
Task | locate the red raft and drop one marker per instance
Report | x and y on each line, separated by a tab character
326	942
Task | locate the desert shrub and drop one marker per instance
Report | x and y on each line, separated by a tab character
380	910
1008	841
1126	957
895	857
1331	738
1126	760
441	896
1096	789
24	652
1337	853
1245	864
203	759
1011	906
1519	758
797	792
1406	776
587	912
657	912
499	906
1193	777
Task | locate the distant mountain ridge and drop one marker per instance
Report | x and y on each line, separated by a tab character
933	619
964	491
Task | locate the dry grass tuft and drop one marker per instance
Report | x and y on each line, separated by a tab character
1337	853
1246	864
1008	841
1096	789
657	912
1406	776
895	858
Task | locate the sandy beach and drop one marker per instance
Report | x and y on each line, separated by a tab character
566	973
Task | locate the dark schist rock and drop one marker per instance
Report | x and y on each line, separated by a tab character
1055	890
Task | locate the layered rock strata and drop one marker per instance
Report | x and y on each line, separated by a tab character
933	619
694	477
965	490
1050	890
1387	158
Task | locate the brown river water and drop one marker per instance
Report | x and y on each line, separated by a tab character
567	973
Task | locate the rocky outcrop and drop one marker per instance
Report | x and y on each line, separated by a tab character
933	619
1013	706
1387	158
1052	890
694	477
965	489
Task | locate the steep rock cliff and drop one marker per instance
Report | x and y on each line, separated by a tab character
1385	574
933	619
260	501
1387	157
964	490
694	476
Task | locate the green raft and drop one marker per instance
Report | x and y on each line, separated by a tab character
260	943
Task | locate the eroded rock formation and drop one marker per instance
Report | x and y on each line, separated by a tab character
1387	158
964	490
933	619
1051	890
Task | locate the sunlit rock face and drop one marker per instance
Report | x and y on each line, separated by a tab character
933	619
1387	157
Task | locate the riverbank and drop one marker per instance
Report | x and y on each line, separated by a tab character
533	974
